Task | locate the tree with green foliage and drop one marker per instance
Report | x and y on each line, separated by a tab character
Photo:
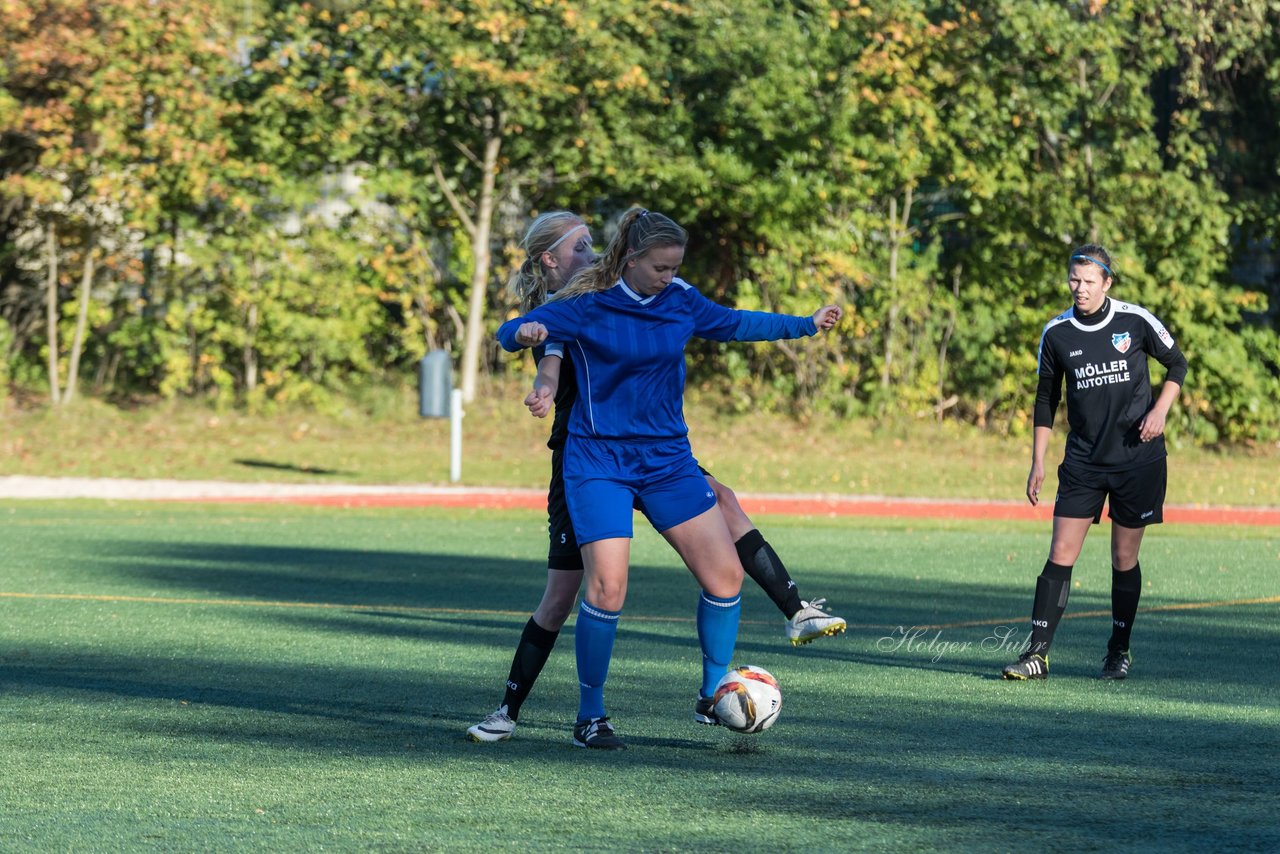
1063	148
291	214
123	136
461	110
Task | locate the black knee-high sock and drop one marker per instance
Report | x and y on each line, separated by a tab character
764	566
1052	589
1126	589
531	655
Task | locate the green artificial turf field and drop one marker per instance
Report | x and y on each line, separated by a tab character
250	677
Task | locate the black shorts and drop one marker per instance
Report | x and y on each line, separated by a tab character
1136	495
563	552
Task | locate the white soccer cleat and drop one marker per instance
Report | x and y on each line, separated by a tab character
811	623
496	727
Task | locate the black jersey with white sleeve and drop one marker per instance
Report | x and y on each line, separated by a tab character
1103	360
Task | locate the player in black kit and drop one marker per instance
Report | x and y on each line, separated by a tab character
1115	449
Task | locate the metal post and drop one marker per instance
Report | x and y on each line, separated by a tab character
455	436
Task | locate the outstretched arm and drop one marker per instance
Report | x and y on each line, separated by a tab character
526	334
719	323
765	326
557	320
827	317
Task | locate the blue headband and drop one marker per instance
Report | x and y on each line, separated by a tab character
1091	259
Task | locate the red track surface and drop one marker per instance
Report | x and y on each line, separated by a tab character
785	505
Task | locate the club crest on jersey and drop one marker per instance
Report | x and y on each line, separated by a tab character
1121	341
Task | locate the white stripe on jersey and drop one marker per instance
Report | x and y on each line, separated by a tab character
1062	318
643	300
581	359
634	294
1157	327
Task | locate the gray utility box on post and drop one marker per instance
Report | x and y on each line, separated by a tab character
435	379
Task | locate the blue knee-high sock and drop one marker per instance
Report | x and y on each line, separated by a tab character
717	635
593	640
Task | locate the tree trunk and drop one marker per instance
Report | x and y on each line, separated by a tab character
250	351
891	322
82	321
952	317
250	354
1086	130
51	309
480	238
898	229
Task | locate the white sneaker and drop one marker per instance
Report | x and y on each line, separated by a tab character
811	623
496	727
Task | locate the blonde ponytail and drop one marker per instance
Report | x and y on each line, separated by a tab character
530	282
639	231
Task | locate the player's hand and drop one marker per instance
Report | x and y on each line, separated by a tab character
1152	425
539	401
827	317
1035	480
531	334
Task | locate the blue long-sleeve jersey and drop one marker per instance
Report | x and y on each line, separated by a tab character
628	352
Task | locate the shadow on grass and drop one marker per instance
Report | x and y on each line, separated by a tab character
364	577
940	760
416	618
968	627
274	466
923	739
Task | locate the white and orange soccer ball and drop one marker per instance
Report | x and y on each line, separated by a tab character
747	699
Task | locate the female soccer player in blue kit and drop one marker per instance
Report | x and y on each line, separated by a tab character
557	245
625	321
1115	449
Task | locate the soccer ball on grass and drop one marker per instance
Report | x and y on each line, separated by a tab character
747	699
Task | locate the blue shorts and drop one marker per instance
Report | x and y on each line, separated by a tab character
605	478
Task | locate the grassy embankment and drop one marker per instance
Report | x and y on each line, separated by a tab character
504	446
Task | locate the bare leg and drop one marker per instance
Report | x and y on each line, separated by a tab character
606	564
558	598
1125	543
704	545
1068	539
735	517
